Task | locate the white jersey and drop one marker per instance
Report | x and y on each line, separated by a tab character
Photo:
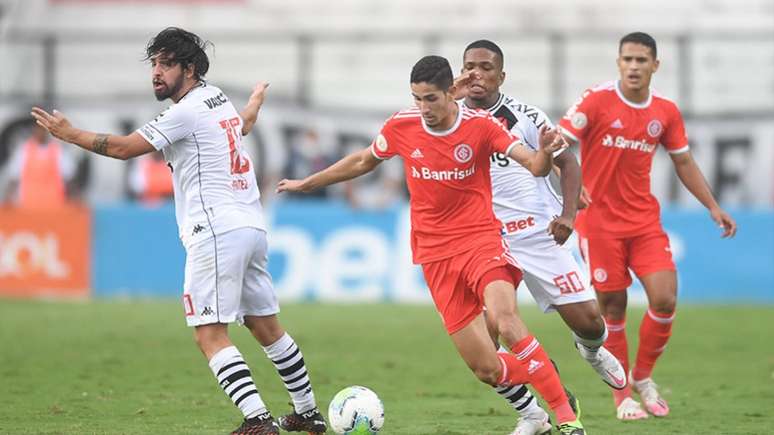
214	183
525	204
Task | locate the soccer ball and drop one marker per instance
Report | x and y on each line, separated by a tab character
356	410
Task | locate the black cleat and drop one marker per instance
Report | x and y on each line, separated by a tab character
310	421
262	424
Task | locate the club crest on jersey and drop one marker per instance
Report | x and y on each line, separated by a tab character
463	153
381	143
578	120
600	274
654	128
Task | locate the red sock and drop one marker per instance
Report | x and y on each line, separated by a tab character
655	330
513	370
540	372
616	344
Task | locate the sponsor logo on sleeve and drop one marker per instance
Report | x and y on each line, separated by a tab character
579	120
381	143
147	131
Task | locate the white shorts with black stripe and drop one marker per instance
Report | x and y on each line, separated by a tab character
226	279
551	274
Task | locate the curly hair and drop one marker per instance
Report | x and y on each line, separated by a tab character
182	47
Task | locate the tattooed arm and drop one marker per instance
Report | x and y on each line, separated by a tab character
118	147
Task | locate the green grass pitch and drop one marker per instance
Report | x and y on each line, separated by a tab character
118	367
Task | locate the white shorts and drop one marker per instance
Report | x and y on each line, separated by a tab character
226	279
550	271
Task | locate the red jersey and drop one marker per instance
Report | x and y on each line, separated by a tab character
447	174
618	139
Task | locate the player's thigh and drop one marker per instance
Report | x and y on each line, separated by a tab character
214	271
607	261
258	295
551	274
650	252
457	304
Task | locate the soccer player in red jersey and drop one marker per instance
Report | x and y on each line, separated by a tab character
455	235
619	125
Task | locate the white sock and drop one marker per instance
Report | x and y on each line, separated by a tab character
235	379
587	347
289	362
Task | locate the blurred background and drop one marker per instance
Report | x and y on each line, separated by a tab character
74	224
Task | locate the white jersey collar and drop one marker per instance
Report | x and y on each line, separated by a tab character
451	130
630	103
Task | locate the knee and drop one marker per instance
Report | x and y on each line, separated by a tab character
211	339
591	327
664	304
503	323
266	330
488	374
613	305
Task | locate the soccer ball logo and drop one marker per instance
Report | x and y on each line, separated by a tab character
356	410
463	153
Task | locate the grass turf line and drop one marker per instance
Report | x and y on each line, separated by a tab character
110	367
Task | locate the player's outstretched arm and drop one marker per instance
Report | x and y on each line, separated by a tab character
692	178
118	147
249	113
570	181
539	163
351	166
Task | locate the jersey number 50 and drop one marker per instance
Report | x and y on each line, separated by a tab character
239	164
570	283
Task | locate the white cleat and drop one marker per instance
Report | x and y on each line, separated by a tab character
630	409
607	365
533	425
648	391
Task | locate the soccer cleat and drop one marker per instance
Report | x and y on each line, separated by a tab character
571	428
648	391
310	421
533	425
630	409
262	424
607	365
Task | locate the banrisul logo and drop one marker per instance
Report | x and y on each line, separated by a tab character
451	174
463	153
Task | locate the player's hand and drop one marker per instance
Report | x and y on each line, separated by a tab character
55	123
585	199
259	93
724	221
561	229
551	140
462	83
290	186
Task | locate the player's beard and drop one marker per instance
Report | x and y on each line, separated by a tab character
167	91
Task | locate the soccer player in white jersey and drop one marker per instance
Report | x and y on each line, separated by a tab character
536	223
220	223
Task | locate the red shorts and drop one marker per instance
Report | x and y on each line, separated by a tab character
457	283
609	259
